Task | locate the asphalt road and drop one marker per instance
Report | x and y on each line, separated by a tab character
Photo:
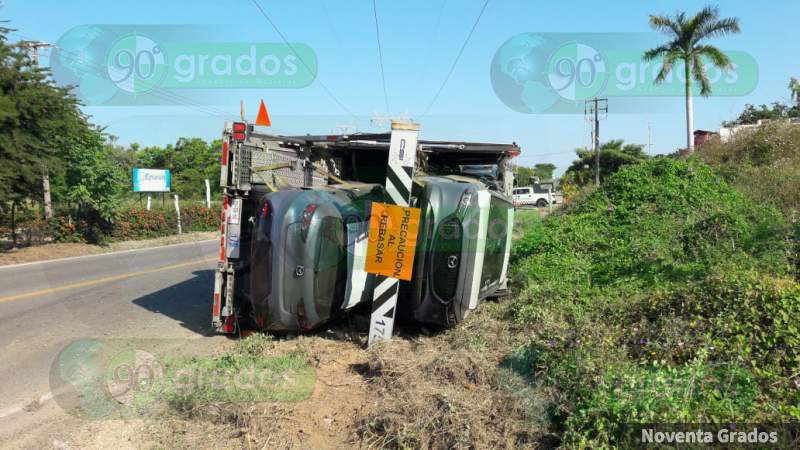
162	293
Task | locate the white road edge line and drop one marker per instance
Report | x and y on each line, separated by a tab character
18	409
71	258
10	411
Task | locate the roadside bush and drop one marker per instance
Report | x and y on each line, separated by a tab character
763	163
142	224
664	296
132	224
199	218
527	232
655	222
656	393
86	230
795	242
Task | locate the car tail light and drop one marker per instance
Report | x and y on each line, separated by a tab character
230	325
239	130
308	213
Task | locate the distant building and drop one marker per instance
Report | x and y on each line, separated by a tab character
726	133
703	136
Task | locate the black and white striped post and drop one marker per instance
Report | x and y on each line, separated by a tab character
399	176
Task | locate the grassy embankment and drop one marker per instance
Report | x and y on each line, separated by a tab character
664	297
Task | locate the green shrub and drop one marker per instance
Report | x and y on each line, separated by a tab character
527	230
84	230
764	163
657	393
134	223
142	224
660	221
664	296
795	244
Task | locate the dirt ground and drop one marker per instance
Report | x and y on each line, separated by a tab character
424	389
65	250
323	421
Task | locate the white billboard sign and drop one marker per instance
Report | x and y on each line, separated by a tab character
151	180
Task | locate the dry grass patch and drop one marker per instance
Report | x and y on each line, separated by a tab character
451	390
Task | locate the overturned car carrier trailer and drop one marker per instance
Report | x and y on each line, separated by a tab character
295	215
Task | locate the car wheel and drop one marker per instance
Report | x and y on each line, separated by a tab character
541	203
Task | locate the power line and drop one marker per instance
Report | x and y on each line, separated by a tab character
380	56
547	154
302	61
458	56
428	47
154	90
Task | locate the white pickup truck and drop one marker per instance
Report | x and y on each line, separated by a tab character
540	195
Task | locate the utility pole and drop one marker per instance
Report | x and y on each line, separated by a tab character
593	107
48	205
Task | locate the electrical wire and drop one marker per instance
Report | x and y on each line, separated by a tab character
380	55
428	47
455	62
547	154
152	89
302	61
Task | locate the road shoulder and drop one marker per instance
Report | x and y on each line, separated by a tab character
51	252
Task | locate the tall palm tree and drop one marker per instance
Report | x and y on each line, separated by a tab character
687	35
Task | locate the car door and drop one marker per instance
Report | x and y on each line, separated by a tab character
527	196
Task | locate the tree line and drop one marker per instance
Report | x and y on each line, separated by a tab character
44	135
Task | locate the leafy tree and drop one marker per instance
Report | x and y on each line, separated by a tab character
42	131
37	122
686	45
198	160
777	110
526	176
613	155
92	181
544	171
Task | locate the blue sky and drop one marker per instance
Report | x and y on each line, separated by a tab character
417	55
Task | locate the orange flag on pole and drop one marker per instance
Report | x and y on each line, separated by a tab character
263	117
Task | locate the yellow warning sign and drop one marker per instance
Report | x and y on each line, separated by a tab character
392	240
